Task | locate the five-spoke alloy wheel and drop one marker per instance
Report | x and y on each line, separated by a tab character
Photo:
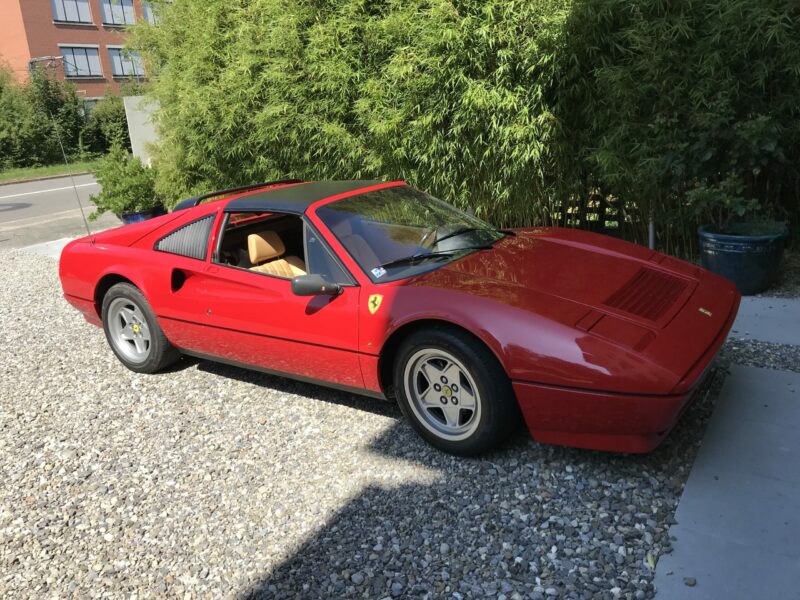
133	332
442	394
128	330
454	391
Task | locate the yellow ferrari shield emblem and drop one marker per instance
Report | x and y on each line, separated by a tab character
374	303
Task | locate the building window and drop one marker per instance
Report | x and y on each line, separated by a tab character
71	11
125	63
117	12
149	15
81	61
88	105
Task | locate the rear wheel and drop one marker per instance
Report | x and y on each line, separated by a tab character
133	332
454	391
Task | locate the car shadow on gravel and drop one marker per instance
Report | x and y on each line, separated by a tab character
290	386
541	521
184	363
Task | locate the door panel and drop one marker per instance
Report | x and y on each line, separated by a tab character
255	319
173	291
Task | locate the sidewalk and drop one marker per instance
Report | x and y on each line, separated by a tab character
738	521
775	320
50	249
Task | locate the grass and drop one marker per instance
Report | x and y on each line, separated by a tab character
25	173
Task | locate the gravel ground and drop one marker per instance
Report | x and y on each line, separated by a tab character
211	481
784	357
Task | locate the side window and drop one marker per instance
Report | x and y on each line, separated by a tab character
266	243
320	260
191	240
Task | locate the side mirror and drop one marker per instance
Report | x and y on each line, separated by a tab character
314	285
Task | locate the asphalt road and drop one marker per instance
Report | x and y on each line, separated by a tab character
41	211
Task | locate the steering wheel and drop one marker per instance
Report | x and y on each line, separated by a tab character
229	258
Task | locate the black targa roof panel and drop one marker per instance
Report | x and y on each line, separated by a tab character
294	198
194	201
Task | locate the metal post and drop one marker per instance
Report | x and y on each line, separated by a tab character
651	229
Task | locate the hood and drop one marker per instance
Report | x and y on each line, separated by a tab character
576	267
575	290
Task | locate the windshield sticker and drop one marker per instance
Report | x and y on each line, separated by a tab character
378	272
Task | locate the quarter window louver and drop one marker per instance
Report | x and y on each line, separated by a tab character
191	240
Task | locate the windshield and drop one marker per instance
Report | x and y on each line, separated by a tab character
399	232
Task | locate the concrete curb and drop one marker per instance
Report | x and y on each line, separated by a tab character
50	249
44	178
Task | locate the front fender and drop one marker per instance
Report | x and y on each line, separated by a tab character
530	346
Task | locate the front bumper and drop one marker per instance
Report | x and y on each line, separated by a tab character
616	422
600	420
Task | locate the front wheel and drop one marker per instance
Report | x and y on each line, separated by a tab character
454	391
133	332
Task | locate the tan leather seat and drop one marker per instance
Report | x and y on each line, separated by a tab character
266	251
356	245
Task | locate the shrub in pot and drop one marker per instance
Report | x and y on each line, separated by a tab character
128	188
742	242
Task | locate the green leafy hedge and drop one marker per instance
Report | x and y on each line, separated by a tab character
125	184
27	133
34	112
693	106
519	109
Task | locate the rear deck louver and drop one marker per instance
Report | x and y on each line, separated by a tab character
190	240
648	294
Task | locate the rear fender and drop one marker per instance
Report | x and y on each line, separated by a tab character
83	266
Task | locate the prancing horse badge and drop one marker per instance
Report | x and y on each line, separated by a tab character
374	303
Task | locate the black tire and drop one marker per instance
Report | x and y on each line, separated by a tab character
159	353
498	415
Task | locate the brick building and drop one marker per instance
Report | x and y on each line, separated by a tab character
87	36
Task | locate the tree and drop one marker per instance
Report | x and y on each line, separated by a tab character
517	108
450	97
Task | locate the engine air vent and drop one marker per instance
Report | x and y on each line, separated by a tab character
648	294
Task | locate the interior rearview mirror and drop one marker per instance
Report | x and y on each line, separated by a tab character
314	285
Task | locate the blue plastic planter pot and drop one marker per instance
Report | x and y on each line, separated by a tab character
750	261
141	215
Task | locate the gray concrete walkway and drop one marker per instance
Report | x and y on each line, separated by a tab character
775	320
738	521
50	249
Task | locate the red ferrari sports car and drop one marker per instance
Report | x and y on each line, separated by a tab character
383	290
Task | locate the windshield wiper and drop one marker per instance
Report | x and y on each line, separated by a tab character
420	256
461	232
469	230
